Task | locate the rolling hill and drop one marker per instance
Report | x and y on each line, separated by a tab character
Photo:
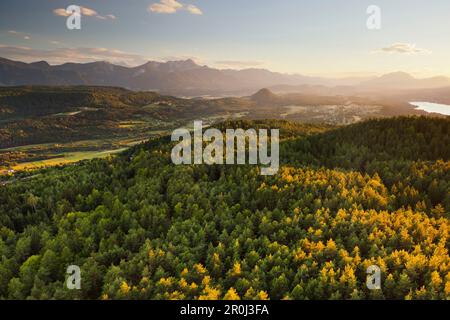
59	114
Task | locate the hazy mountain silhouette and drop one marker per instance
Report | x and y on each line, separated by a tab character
186	78
402	80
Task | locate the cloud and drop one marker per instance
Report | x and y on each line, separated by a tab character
88	12
60	12
79	55
238	64
85	11
19	34
403	48
165	6
193	9
108	16
172	6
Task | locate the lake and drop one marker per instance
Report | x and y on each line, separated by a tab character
432	107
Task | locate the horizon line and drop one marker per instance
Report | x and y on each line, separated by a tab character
369	74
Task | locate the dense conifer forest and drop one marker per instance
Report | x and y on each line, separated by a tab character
345	198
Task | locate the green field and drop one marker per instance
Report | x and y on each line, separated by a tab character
65	158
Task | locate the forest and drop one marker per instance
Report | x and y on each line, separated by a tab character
139	227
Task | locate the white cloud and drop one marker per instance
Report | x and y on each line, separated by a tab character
60	12
108	16
88	12
172	6
193	9
165	6
233	64
403	48
85	11
19	34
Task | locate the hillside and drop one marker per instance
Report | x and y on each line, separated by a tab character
46	125
265	97
35	101
36	115
142	228
377	140
47	114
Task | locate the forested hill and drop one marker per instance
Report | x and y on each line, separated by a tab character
398	139
375	193
35	101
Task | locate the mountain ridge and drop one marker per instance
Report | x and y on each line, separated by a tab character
187	78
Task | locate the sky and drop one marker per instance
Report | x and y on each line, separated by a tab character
320	37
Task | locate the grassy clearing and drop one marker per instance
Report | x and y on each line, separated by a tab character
37	156
65	158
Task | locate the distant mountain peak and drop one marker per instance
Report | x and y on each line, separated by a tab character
264	91
171	66
190	61
183	64
397	75
264	96
40	64
403	80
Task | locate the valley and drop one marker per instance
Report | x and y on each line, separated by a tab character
45	126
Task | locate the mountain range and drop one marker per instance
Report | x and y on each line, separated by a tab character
187	78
